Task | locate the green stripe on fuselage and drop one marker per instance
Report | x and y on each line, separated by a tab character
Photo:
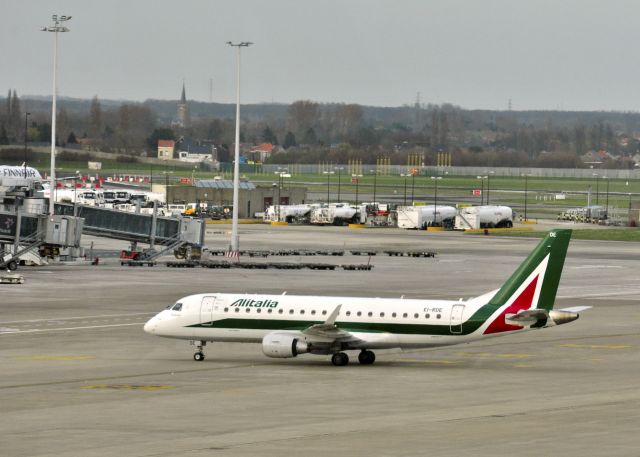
469	326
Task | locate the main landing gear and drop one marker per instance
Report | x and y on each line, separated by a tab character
365	357
199	356
340	359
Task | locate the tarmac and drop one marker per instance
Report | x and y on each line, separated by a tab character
79	377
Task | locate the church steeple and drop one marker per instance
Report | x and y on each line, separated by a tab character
183	109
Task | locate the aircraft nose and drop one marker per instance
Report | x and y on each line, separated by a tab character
150	326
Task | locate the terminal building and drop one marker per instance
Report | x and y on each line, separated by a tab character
251	199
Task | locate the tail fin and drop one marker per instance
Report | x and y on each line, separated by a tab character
537	278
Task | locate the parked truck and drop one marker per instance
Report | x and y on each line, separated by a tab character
288	213
421	217
487	216
335	214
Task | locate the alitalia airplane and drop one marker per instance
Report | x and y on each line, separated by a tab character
289	325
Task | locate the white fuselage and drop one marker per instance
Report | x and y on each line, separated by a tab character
379	322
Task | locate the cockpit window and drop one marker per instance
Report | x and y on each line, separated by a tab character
177	307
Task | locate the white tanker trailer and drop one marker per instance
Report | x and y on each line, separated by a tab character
489	216
335	214
421	217
288	213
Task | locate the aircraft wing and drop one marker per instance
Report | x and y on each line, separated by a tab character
328	332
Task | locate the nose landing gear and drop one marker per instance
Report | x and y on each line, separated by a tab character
199	356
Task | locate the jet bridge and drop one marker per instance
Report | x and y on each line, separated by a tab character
136	227
37	232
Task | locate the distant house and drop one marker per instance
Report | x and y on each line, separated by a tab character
165	149
195	152
261	152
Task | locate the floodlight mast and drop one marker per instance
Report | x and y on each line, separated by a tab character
55	28
235	239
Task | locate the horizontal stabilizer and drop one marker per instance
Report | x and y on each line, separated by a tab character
576	309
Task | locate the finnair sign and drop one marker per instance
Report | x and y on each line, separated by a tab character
7	171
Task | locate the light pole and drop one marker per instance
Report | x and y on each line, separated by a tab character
328	173
526	188
489	185
356	176
482	178
375	176
413	186
235	239
435	197
55	28
166	184
339	169
193	172
282	173
607	201
597	187
26	132
404	175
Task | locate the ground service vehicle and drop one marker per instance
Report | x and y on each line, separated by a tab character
488	216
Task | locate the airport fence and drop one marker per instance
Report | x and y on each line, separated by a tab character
391	170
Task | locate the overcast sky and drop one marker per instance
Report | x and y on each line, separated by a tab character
541	54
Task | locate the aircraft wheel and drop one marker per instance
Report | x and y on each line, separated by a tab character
340	359
366	357
198	356
13	265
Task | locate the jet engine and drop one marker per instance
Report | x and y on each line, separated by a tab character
283	345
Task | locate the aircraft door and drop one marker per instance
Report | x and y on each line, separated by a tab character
206	311
455	323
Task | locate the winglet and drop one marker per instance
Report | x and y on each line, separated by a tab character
331	320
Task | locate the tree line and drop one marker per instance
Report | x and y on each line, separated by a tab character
309	132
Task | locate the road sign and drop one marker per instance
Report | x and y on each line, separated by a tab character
476	192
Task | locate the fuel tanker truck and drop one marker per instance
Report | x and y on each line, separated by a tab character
488	216
421	217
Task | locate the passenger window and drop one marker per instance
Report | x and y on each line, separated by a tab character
269	310
359	313
393	314
348	313
370	314
427	316
226	310
302	311
313	312
381	314
404	315
415	315
259	310
438	316
248	310
290	311
324	312
280	311
237	310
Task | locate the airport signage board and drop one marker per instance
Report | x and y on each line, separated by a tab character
476	192
8	224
